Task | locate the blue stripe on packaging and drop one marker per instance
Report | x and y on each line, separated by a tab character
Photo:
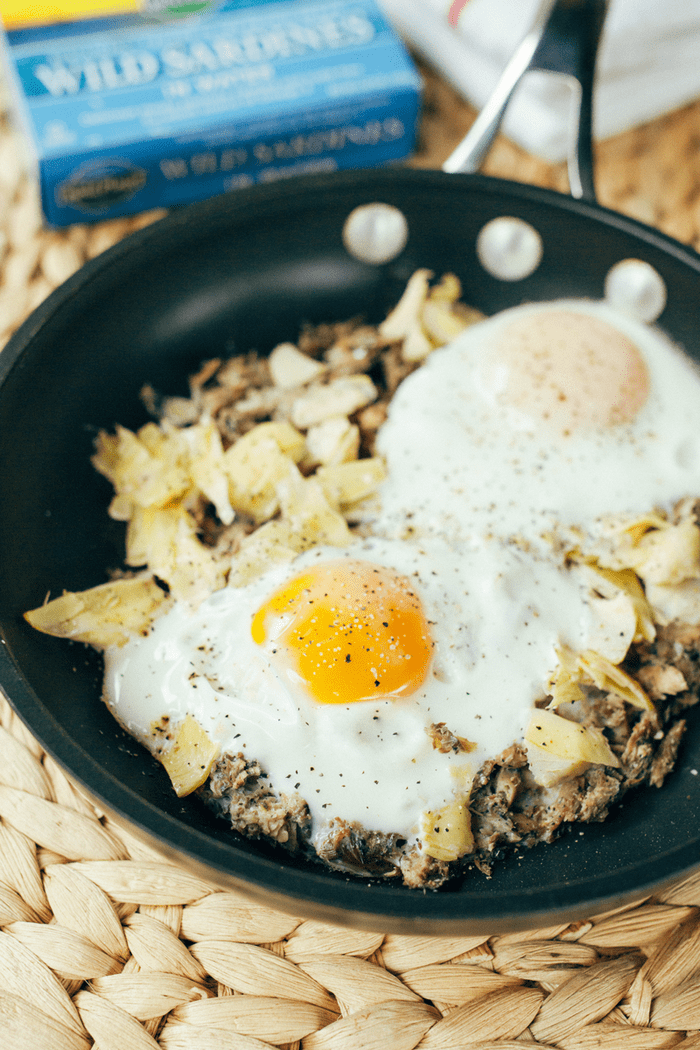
159	113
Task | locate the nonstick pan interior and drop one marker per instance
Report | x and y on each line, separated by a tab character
244	272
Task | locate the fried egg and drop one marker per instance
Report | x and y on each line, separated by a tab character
331	669
543	415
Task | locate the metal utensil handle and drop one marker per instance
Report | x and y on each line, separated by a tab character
563	39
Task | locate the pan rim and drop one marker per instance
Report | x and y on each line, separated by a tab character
262	198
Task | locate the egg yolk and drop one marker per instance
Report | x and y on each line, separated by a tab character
569	370
349	631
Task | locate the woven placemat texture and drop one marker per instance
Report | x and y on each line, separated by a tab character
104	944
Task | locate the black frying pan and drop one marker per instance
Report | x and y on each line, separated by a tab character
244	271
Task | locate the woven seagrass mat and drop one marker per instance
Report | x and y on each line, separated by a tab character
104	944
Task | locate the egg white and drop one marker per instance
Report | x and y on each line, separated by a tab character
460	463
496	618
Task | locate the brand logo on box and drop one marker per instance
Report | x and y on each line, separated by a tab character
97	186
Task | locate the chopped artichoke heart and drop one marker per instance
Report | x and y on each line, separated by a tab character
612	679
152	437
254	470
288	439
441	323
564	685
416	345
334	440
613	627
589	667
177	556
610	582
272	543
108	614
446	833
154	472
344	484
425	317
190	758
121	508
106	455
206	467
309	514
615	544
340	397
406	314
680	602
447	290
548	769
289	367
670	555
569	740
626	532
140	537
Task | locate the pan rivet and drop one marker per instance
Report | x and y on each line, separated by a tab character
636	288
375	233
509	248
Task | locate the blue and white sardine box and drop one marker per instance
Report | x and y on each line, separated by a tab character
128	113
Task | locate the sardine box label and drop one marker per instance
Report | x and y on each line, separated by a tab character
133	112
